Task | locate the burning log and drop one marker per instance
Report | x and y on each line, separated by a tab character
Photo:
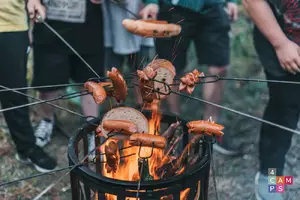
181	162
169	133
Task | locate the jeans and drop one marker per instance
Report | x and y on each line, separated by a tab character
283	108
13	70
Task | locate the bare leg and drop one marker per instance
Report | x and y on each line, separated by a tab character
173	101
213	92
47	111
88	105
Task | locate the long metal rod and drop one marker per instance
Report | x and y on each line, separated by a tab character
126	9
64	97
45	86
217	78
34	176
80	163
40	19
56	106
237	112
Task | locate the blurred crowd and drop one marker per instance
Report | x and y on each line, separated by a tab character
94	29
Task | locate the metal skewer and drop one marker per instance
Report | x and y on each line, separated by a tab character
78	164
40	19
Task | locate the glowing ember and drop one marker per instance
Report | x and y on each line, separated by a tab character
128	167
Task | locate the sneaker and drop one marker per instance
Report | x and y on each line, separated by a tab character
223	148
44	132
38	158
92	146
262	190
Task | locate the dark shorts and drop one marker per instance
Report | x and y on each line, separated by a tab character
209	31
56	68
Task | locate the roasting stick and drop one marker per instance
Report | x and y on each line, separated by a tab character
37	175
224	108
78	164
41	101
143	158
40	19
218	78
44	86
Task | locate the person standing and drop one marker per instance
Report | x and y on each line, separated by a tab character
207	24
80	23
276	39
14	42
120	45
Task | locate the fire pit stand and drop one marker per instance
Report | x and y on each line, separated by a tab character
84	179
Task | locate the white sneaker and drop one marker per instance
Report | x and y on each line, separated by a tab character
92	146
44	132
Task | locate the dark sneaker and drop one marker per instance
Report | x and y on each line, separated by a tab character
43	132
41	161
223	148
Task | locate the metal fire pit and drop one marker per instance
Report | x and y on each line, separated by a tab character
85	181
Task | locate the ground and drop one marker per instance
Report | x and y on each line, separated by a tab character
234	175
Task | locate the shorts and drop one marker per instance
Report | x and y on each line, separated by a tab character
209	30
52	68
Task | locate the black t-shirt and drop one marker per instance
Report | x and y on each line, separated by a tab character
284	13
85	38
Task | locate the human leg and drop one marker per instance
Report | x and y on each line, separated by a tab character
175	49
283	108
13	75
49	69
212	44
81	73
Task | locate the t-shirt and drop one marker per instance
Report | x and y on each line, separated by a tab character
285	12
85	38
288	13
13	16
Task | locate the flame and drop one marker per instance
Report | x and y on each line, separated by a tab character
128	167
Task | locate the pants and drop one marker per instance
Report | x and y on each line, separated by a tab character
13	61
283	108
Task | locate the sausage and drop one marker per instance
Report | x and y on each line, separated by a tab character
169	133
207	127
122	126
99	94
147	140
120	87
150	28
189	80
112	156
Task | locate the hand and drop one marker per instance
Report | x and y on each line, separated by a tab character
35	9
232	11
289	56
149	10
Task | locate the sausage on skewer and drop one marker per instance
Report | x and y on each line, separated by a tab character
147	140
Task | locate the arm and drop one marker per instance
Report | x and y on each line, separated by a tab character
263	17
288	52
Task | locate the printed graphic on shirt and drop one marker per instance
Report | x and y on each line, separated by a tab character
73	11
290	11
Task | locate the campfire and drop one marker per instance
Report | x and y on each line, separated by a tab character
146	154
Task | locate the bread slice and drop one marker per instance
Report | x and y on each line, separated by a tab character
126	113
165	74
158	63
